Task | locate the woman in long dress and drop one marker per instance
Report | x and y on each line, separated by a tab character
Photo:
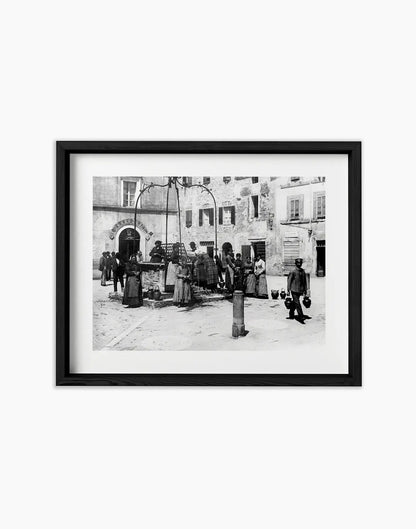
133	296
183	293
172	267
211	272
250	278
260	273
229	271
201	275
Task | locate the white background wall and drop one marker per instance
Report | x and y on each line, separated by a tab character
207	458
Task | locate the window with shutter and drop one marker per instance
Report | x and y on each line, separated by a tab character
227	216
188	221
295	207
206	180
211	216
220	215
255	206
319	205
129	193
206	217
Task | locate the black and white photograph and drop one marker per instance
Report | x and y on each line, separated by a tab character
208	263
233	262
207	212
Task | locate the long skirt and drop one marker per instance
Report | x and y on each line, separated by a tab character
201	275
250	284
183	292
133	296
104	277
261	286
229	279
171	277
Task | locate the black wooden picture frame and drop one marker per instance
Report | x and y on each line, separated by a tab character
63	151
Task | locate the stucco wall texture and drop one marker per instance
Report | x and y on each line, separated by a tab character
256	220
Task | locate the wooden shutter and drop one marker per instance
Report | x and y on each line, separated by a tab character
232	214
188	218
201	213
319	205
211	216
255	200
245	251
220	210
290	253
295	205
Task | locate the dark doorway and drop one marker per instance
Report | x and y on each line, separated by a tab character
226	247
259	248
320	258
245	251
128	243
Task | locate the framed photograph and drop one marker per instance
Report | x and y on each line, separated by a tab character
208	263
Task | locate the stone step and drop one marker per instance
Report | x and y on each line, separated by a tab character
168	301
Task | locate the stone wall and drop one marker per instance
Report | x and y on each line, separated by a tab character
247	229
307	230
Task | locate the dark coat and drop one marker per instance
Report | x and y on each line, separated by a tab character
296	281
121	267
157	254
103	263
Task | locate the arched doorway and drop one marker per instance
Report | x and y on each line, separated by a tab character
128	243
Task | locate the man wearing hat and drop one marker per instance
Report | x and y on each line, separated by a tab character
297	286
158	253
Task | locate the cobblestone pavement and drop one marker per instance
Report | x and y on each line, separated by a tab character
206	326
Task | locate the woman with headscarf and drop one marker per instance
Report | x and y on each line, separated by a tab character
250	278
260	273
211	272
183	293
133	296
200	272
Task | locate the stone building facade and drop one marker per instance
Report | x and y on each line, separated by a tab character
279	218
113	215
245	208
300	212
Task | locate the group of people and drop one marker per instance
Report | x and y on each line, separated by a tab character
199	269
248	276
112	266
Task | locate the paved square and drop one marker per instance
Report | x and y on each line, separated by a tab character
206	326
